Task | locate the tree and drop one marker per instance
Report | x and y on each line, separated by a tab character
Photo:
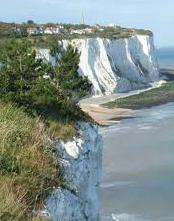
36	85
30	22
20	68
68	77
55	49
21	72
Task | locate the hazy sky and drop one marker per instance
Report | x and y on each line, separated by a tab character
157	15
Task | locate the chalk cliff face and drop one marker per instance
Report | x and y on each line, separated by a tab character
117	65
81	160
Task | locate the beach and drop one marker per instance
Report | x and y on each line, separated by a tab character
106	116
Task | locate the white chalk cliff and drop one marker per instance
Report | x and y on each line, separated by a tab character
81	160
112	65
117	65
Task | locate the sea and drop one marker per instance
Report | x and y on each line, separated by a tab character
138	163
165	56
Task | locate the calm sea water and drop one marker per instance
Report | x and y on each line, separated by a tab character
138	167
138	163
165	57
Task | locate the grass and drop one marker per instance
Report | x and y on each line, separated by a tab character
28	165
61	131
156	96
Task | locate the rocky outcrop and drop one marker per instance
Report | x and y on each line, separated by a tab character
117	65
81	160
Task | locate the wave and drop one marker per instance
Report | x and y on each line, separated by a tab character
123	217
130	217
117	184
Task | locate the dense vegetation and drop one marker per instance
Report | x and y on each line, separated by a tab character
34	84
37	102
10	30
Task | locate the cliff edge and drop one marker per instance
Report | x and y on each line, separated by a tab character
117	65
81	160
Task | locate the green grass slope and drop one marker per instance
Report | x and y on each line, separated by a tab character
28	166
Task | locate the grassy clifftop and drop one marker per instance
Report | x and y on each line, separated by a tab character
68	31
108	32
44	41
28	166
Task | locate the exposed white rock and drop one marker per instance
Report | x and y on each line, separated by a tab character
117	65
45	55
82	162
64	205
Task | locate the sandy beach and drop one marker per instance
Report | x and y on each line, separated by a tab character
105	116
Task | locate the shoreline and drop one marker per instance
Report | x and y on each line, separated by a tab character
110	109
106	116
148	99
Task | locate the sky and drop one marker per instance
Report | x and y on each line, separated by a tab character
156	15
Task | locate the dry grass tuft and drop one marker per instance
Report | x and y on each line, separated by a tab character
28	166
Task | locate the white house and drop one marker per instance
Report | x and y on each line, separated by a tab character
79	32
82	31
48	30
34	30
88	30
53	30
